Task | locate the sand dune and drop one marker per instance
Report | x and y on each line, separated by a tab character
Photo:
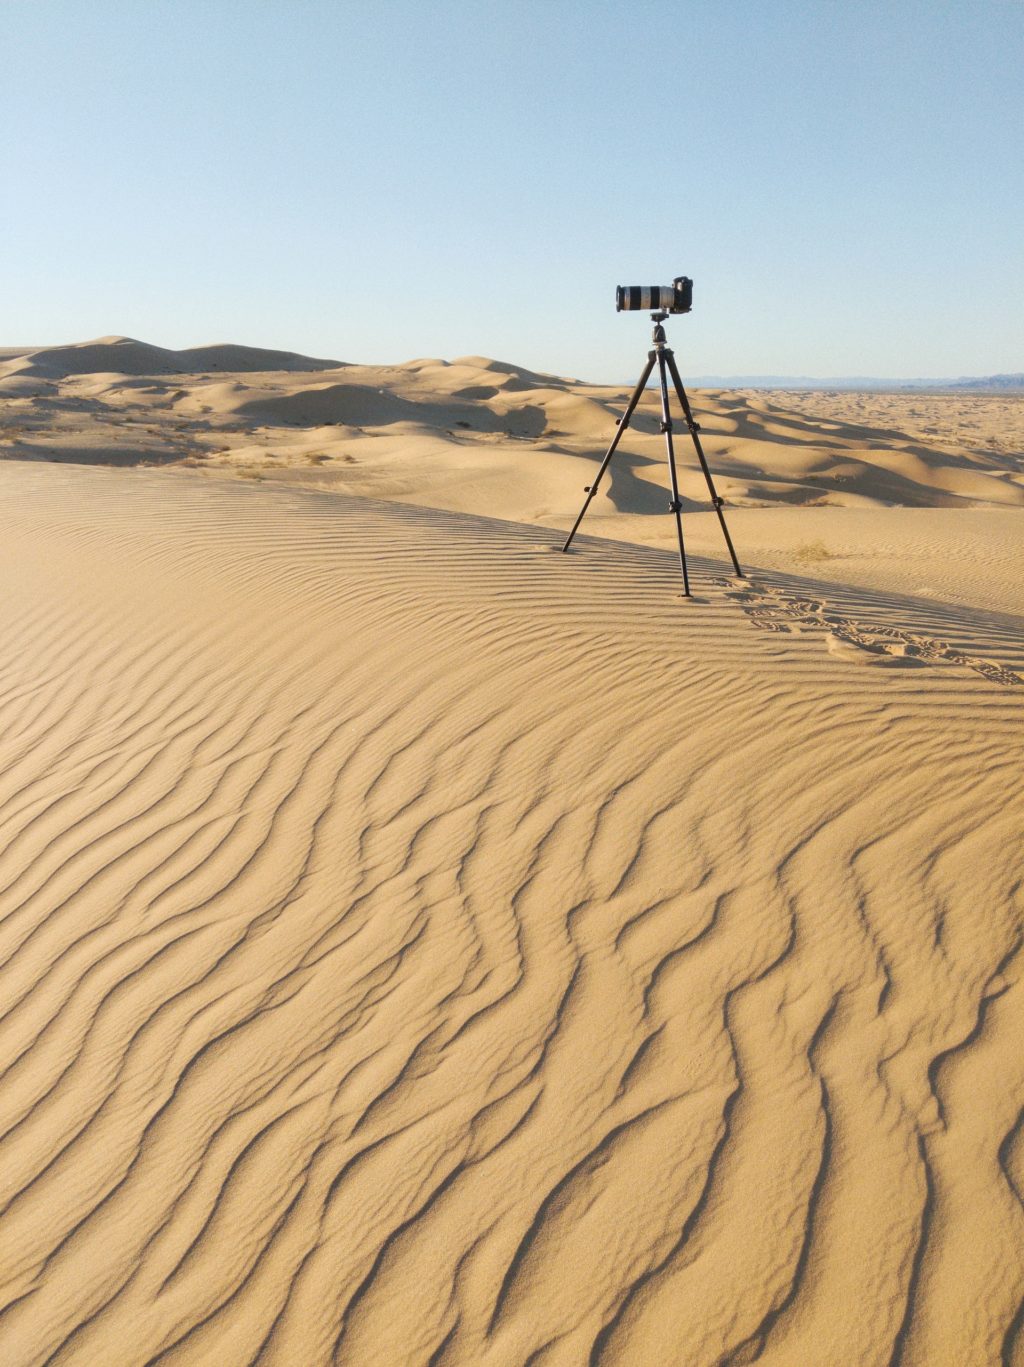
419	946
126	356
423	947
426	430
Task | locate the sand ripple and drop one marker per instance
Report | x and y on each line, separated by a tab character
421	947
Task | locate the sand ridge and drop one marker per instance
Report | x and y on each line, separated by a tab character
476	434
421	946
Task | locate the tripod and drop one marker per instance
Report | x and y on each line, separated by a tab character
663	356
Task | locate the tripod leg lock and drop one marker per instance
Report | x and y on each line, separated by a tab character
718	502
665	426
675	506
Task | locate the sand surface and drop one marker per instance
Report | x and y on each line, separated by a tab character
419	946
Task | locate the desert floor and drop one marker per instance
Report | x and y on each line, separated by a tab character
418	946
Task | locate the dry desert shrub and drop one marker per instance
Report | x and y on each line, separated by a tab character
811	552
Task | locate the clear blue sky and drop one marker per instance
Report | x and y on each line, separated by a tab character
378	181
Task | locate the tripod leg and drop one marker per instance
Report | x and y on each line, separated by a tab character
676	507
715	500
623	423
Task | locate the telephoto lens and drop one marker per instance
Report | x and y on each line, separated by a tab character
674	298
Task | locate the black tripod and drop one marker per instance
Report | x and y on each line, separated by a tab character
663	356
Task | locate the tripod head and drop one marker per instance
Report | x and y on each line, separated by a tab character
659	332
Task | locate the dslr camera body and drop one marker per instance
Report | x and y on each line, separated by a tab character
674	298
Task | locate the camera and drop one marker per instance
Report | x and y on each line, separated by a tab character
674	298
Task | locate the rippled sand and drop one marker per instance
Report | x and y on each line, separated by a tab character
419	946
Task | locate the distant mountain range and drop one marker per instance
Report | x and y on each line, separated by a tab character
996	384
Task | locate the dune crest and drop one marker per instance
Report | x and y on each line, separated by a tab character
126	356
476	434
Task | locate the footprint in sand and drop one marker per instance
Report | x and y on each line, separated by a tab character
773	610
857	650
